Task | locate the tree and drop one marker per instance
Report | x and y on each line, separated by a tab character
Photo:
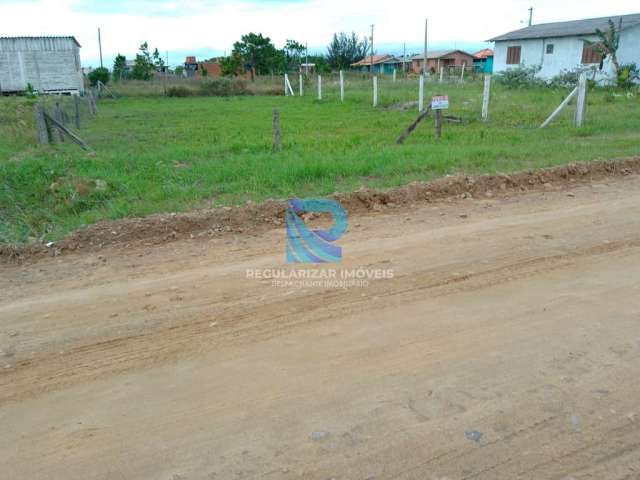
179	71
294	52
100	74
158	63
320	62
119	67
257	53
203	71
231	65
143	67
607	44
346	49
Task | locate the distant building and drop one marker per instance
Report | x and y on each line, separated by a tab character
307	67
564	46
441	58
47	64
190	67
212	68
378	64
194	69
483	61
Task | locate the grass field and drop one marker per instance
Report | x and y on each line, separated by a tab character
157	154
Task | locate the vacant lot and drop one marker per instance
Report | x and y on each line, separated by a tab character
160	154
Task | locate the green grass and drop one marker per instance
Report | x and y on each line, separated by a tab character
161	154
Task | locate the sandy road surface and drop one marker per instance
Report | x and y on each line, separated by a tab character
507	345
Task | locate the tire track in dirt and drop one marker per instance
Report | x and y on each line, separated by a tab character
119	355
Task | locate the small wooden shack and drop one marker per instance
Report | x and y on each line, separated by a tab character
47	64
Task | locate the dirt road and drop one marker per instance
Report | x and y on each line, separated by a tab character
506	345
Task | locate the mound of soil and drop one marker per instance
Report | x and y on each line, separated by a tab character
254	218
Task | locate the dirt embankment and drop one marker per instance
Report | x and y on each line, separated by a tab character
162	228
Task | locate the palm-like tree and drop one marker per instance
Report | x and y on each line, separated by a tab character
607	44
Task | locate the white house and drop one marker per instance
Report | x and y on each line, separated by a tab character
48	64
561	46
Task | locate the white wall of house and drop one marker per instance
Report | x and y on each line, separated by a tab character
48	64
629	49
567	54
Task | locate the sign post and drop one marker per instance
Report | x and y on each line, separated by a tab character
439	103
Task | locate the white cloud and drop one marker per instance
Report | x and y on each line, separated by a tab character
201	25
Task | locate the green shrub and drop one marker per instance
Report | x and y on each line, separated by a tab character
99	74
224	87
521	77
181	91
215	87
628	75
566	78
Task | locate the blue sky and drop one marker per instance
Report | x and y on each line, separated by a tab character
209	27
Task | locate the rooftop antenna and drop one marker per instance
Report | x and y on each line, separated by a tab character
530	22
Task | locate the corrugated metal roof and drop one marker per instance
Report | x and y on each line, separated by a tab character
67	37
569	29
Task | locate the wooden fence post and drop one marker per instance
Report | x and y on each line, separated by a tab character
76	104
92	103
413	125
57	115
319	87
277	142
485	97
375	91
41	124
52	122
582	99
341	86
438	123
421	93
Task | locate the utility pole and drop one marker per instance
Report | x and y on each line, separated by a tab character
100	47
426	25
530	16
371	67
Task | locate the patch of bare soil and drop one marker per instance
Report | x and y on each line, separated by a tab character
162	228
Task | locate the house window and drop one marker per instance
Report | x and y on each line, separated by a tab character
550	48
591	54
513	55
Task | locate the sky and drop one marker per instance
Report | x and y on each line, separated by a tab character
207	28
